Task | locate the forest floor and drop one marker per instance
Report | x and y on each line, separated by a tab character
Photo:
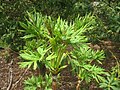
12	77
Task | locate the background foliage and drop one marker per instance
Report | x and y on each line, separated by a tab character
107	14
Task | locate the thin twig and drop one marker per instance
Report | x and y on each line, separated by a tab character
10	75
20	78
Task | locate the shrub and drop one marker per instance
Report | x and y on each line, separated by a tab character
54	52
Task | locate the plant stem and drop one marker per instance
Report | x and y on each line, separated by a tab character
78	84
54	83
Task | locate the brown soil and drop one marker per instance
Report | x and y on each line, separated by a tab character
10	70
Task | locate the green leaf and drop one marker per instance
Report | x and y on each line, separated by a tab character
27	56
35	65
40	50
25	64
61	59
30	88
75	62
62	67
102	85
50	57
28	36
23	25
115	83
115	88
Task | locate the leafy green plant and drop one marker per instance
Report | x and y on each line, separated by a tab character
34	26
38	82
32	83
83	59
116	70
110	83
60	43
33	58
54	62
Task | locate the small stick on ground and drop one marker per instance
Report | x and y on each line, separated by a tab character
10	75
20	78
